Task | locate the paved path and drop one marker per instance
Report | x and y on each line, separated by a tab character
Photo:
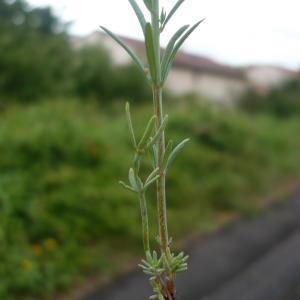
254	259
294	294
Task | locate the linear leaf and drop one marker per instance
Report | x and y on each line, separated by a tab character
171	45
168	151
139	183
154	156
150	52
163	16
127	187
132	179
175	152
153	174
159	132
177	47
138	13
148	4
151	181
172	12
130	126
126	48
147	132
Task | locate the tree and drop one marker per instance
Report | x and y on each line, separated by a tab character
35	55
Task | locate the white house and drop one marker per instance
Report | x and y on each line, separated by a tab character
197	74
265	77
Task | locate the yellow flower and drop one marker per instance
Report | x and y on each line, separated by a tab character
27	265
36	249
50	244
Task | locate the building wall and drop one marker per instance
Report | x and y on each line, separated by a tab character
220	88
118	54
267	76
181	81
215	87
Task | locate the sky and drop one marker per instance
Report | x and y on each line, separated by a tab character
236	32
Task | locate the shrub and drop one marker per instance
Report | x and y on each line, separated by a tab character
62	211
282	101
33	69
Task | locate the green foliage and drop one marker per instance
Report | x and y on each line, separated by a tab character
47	65
62	211
94	73
167	18
283	101
130	84
180	39
34	68
96	77
130	52
18	14
156	73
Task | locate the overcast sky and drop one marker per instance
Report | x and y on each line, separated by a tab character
238	32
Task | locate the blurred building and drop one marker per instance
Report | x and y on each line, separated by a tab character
265	77
197	74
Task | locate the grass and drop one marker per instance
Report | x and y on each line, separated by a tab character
63	213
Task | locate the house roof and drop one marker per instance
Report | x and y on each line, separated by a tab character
193	62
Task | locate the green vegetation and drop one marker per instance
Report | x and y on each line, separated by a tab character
48	65
33	49
282	101
62	212
95	77
63	216
161	267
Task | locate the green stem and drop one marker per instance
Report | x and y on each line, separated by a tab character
161	182
156	38
143	207
145	222
158	110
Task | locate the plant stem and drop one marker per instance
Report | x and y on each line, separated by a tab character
161	182
164	268
145	223
156	39
158	111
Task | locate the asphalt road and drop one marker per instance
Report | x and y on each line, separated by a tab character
254	259
294	294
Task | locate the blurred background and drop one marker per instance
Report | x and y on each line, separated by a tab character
234	89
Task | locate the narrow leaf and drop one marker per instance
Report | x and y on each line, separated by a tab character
172	12
146	263
159	132
148	272
154	173
154	156
185	258
147	133
139	183
150	52
175	152
130	126
138	13
163	15
168	151
126	186
132	180
148	4
151	181
170	47
126	48
177	47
